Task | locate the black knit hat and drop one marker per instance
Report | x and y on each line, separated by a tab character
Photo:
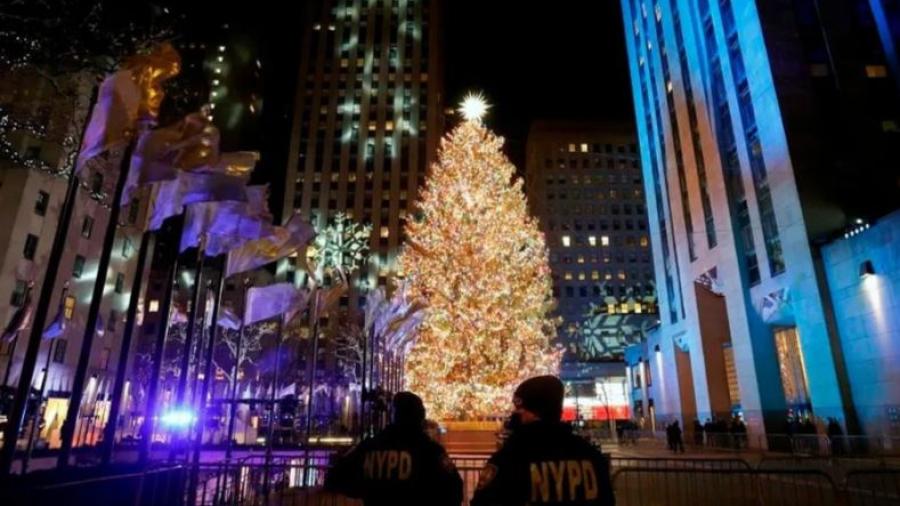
543	396
408	409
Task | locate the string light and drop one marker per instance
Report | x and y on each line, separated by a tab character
480	263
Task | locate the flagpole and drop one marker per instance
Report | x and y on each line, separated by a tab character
109	432
156	368
204	390
84	358
363	394
234	375
272	409
197	355
17	416
38	409
311	382
189	333
12	355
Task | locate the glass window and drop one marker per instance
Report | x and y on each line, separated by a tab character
566	241
87	227
120	282
40	205
31	243
18	294
876	71
78	267
69	307
59	354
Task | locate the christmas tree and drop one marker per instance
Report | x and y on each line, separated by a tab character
478	260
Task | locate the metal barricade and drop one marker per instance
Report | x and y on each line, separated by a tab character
675	463
878	487
734	487
154	487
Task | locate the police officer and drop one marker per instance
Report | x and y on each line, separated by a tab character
399	466
542	462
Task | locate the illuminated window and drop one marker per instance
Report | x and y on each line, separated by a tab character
592	240
623	307
567	276
153	307
385	232
573	148
581	276
876	71
637	307
69	307
607	276
595	275
566	241
584	148
604	240
622	275
389	126
581	259
644	241
611	308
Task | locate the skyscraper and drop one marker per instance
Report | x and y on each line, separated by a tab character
766	129
367	118
584	184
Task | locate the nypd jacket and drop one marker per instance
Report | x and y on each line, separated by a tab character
544	463
400	466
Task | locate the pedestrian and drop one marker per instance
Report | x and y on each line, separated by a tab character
835	437
400	466
542	461
677	442
698	432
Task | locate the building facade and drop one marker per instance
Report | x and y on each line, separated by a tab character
765	129
584	184
367	120
31	196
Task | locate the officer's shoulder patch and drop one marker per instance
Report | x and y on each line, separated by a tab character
487	475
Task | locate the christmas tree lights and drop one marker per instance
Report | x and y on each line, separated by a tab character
479	262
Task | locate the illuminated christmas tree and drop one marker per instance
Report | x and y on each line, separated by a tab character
478	260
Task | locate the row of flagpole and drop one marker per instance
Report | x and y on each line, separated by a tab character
186	178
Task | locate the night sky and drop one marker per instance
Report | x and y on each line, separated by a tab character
564	60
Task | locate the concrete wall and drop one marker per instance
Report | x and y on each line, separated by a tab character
867	311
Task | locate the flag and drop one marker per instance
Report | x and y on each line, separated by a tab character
278	299
227	225
229	320
375	300
179	312
200	142
113	118
170	197
57	326
233	163
100	328
19	321
160	152
400	334
327	299
282	242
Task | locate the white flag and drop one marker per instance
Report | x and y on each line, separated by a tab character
278	299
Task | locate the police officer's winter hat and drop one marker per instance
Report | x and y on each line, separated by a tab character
542	395
408	409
